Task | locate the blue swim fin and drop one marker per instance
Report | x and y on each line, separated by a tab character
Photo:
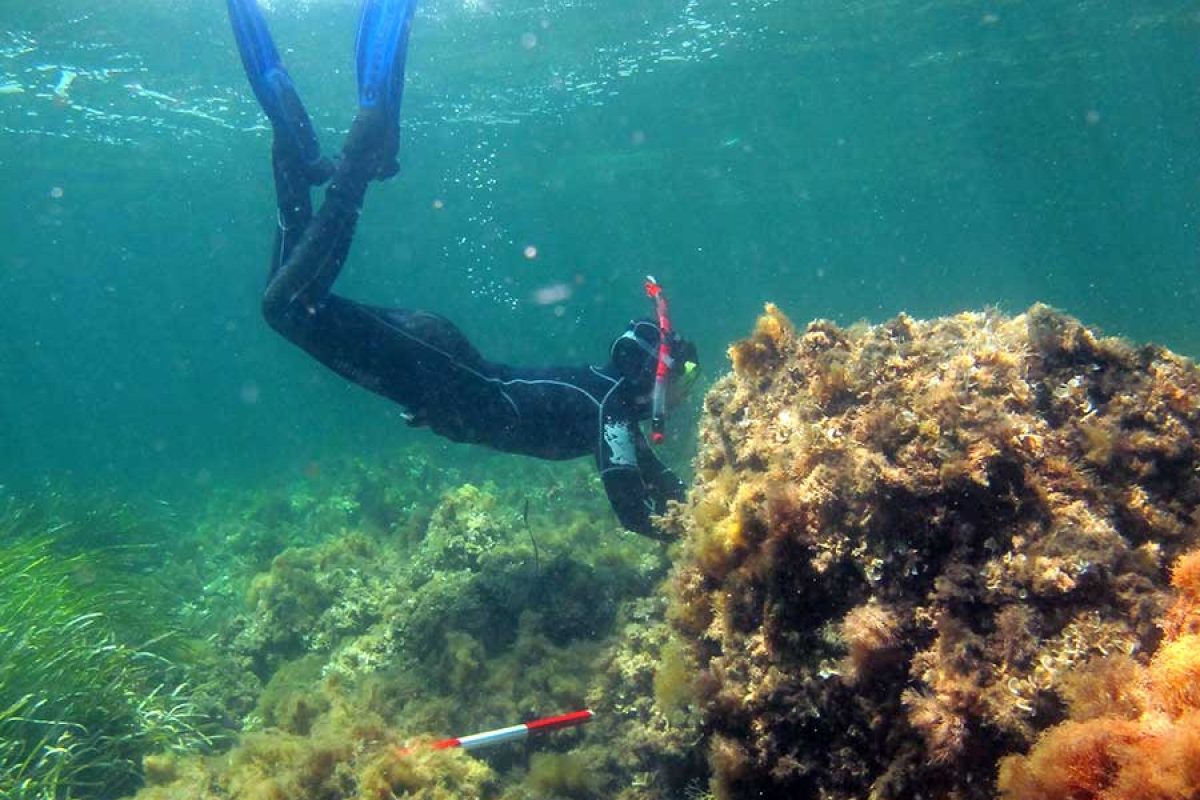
271	83
381	47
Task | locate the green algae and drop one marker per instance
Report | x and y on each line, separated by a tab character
673	680
563	775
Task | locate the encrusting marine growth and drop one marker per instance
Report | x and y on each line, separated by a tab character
905	539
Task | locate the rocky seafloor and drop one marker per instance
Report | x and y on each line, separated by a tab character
952	558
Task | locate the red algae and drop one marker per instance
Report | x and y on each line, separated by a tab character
1139	741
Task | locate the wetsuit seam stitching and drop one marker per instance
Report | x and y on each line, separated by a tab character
550	381
600	374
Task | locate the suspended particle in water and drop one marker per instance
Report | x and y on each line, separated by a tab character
56	192
529	40
638	137
439	204
551	294
249	393
530	252
1092	117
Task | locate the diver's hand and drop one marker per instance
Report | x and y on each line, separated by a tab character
664	486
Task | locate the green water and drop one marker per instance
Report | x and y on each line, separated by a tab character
844	159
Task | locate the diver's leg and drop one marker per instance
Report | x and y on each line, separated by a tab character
313	255
397	353
418	359
293	203
295	153
312	251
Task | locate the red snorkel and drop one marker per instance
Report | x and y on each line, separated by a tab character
658	400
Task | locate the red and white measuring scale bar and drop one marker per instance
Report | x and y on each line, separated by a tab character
514	732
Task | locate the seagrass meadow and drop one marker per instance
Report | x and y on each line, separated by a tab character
942	514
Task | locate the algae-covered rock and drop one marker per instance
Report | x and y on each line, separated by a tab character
465	527
359	761
312	599
370	603
902	537
495	607
647	730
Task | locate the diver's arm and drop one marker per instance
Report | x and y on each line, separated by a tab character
662	483
632	499
628	497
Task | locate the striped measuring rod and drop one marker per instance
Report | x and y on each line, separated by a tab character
513	732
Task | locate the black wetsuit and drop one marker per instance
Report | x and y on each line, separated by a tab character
426	364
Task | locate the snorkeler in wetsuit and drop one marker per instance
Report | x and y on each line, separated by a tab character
419	359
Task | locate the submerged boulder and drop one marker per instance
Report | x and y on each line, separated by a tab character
903	537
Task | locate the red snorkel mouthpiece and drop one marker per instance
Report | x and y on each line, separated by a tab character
658	399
